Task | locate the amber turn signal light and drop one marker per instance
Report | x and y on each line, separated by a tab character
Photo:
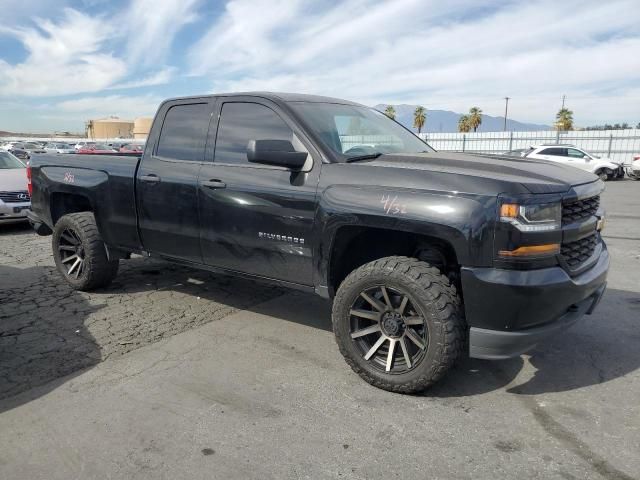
532	250
509	210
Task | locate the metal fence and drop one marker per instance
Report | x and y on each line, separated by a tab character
619	145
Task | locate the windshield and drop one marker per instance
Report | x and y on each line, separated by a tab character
352	131
9	161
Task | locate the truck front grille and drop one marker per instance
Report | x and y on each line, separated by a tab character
579	210
15	197
578	252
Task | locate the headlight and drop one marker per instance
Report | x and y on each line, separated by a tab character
532	218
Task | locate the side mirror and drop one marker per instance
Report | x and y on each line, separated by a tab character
587	157
275	152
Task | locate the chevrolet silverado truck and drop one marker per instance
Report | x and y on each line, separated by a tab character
426	255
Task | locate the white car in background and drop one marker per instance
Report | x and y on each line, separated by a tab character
15	201
59	148
12	145
605	168
633	169
83	144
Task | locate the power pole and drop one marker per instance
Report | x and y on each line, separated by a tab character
506	109
563	97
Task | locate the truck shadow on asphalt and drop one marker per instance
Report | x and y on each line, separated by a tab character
42	332
599	348
50	332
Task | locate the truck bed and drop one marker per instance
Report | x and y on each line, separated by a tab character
106	182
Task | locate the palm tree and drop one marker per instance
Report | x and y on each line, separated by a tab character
464	124
564	119
419	118
390	112
475	118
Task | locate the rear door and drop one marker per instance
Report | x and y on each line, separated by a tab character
167	180
554	154
257	219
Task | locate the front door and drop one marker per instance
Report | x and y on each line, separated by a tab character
167	180
577	158
257	219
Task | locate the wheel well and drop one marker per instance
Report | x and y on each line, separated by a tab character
355	246
64	203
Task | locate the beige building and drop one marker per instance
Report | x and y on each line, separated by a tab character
111	127
141	127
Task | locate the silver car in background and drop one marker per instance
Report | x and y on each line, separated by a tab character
55	147
15	201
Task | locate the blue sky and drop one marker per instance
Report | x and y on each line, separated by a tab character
63	62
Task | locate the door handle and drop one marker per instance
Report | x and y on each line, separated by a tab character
213	184
151	178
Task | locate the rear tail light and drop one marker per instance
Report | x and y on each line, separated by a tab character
29	185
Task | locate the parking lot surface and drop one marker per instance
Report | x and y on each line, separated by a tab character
174	373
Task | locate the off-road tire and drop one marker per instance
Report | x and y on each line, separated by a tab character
434	295
98	271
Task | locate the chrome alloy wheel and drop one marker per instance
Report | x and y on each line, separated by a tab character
389	331
71	253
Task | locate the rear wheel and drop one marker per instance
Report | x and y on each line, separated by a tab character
398	323
80	254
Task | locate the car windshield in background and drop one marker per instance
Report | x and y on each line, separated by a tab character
353	131
8	161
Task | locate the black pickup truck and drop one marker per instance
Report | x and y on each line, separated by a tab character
426	255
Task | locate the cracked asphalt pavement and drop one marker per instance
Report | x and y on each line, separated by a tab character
175	373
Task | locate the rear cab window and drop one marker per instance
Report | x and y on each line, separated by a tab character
184	132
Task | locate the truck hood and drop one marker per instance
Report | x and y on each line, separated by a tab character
536	176
13	179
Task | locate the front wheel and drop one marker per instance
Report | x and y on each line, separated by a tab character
80	254
398	323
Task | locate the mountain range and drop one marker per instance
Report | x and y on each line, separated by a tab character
447	121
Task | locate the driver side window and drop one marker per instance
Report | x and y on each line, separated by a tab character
244	121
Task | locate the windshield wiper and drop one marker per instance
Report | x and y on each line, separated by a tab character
357	158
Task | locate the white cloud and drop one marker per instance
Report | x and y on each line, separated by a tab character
112	105
447	55
63	57
151	25
77	53
442	54
159	77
